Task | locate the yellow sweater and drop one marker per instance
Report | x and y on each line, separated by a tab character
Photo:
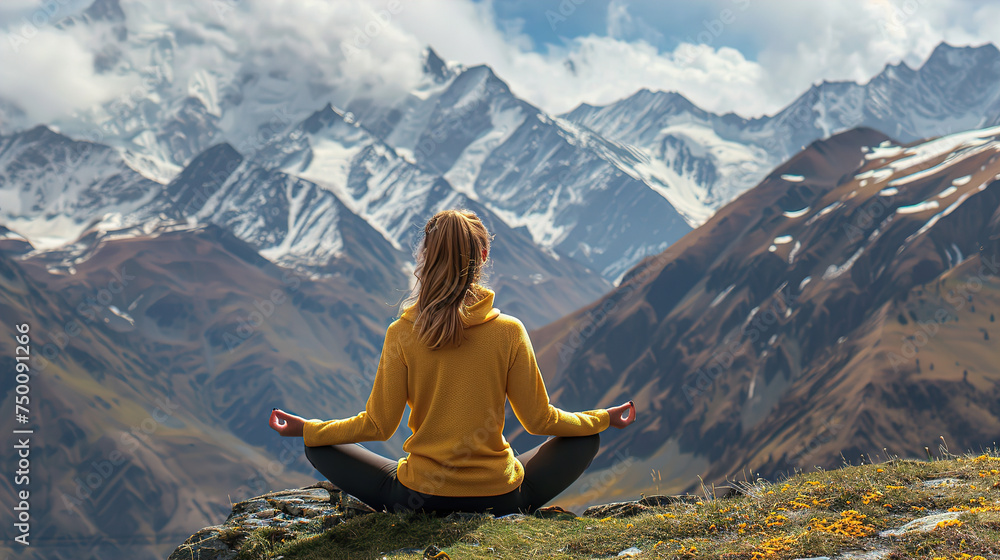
456	398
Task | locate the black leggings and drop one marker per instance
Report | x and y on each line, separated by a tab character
548	470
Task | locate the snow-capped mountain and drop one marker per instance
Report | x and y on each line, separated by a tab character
532	170
458	124
52	188
56	191
605	186
700	160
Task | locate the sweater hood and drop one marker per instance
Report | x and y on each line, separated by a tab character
477	313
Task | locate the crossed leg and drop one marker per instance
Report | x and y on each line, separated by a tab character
548	470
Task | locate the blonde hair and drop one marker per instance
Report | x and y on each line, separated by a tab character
449	264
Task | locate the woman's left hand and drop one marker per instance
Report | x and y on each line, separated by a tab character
288	425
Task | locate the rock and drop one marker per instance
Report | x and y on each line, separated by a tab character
722	492
301	511
922	525
326	485
863	554
616	509
353	506
204	545
940	483
662	501
629	509
554	512
630	551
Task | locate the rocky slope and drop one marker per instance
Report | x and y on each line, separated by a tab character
845	305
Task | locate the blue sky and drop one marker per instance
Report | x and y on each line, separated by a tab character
663	23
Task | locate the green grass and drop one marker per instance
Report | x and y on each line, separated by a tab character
815	514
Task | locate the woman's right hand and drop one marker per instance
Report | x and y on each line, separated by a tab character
622	415
288	425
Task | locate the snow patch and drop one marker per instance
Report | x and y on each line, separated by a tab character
829	209
916	208
962	180
683	190
882	174
465	171
794	252
834	271
796	213
823	212
783	239
958	256
331	163
884	151
953	147
891	191
947	192
121	314
793	178
154	169
10	234
203	86
722	295
47	232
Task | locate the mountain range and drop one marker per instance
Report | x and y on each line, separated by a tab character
841	310
606	186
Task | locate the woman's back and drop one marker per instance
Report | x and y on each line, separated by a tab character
457	397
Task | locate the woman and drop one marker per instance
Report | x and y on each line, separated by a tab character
455	360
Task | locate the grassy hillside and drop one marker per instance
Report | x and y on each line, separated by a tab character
952	506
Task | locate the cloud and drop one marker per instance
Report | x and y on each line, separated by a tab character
289	53
603	68
298	44
797	44
51	73
307	52
623	26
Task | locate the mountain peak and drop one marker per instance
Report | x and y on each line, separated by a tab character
202	177
950	56
662	100
434	65
321	119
